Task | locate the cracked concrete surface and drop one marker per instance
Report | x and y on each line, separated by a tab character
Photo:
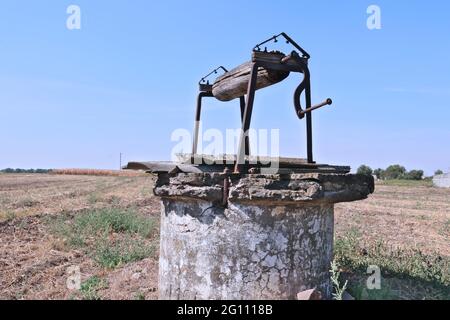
272	240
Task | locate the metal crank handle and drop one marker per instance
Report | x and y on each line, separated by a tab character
317	106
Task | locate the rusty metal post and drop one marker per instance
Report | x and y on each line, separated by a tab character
198	112
244	140
309	142
242	104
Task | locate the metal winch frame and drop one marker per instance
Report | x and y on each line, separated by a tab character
205	89
264	59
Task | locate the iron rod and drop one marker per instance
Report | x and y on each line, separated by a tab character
198	112
247	118
317	106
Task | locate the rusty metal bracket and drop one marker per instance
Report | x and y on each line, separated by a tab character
215	71
226	186
205	89
288	41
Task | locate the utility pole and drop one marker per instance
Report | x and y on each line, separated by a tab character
120	160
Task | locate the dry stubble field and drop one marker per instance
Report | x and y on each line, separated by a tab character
108	227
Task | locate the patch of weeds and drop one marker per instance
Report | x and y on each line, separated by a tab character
67	230
98	223
72	297
426	271
22	224
396	289
445	230
115	220
89	288
26	203
114	201
360	292
113	255
338	288
8	215
344	247
93	198
4	200
19	295
111	236
139	296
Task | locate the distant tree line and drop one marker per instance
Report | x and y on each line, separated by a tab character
11	170
394	172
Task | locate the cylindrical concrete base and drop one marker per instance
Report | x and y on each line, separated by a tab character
245	251
259	237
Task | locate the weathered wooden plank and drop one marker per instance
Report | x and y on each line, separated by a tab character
232	158
234	83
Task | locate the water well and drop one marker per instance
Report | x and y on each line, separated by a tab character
242	227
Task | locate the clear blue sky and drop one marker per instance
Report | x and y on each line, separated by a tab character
128	78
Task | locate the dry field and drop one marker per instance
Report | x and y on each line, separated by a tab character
35	252
404	228
102	224
413	216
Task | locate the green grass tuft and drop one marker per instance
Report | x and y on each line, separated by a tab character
112	236
431	273
139	296
8	215
338	288
90	287
113	255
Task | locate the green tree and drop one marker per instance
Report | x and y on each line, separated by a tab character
438	172
414	175
366	170
394	172
41	171
379	173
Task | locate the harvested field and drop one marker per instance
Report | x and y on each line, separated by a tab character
27	195
404	229
38	215
49	223
96	172
413	216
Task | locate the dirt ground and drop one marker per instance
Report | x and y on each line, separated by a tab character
411	217
33	265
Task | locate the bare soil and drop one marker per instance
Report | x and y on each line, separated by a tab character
34	264
407	216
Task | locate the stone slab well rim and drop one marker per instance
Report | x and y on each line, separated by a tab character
285	189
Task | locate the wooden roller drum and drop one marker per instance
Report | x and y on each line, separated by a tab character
234	83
